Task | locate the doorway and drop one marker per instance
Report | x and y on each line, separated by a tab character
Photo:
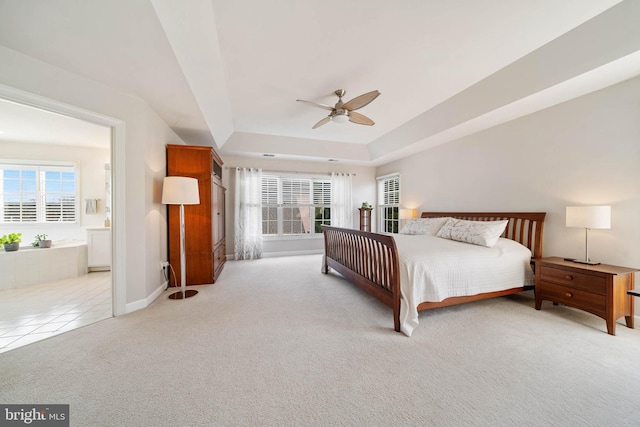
74	301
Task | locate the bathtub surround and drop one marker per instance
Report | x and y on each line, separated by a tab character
30	266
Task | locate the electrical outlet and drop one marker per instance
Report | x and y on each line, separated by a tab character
164	264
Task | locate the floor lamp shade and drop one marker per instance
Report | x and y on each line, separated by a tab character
181	190
588	217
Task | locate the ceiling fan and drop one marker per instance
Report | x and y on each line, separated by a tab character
344	112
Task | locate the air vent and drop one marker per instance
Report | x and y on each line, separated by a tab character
333	160
268	155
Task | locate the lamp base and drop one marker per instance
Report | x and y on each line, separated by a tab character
187	294
582	261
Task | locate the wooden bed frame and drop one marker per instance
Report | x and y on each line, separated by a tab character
370	260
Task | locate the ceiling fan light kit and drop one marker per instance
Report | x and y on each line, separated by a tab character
340	118
343	112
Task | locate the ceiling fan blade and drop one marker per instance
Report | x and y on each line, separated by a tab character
361	101
322	122
360	119
315	104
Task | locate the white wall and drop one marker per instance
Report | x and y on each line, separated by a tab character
364	189
141	165
584	151
89	162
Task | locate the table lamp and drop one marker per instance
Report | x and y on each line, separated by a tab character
181	190
588	217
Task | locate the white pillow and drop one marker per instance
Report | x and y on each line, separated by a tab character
482	233
429	226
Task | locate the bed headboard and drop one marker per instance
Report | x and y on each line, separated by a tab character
524	227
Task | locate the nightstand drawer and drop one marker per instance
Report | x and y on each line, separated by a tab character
595	303
574	280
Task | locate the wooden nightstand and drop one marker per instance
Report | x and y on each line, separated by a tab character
599	289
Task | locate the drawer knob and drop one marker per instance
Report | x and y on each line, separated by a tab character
568	277
568	294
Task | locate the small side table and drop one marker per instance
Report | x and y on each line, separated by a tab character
604	290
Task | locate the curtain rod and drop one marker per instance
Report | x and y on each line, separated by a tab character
289	172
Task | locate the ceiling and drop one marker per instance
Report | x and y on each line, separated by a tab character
21	123
228	73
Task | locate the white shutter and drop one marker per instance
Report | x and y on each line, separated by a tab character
389	190
59	194
322	193
38	193
269	190
296	191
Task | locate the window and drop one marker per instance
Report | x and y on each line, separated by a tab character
37	193
389	202
295	205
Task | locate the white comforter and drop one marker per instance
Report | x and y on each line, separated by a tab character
433	269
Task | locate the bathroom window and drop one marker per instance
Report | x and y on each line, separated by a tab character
37	193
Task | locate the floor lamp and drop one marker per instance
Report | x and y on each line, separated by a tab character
181	190
588	217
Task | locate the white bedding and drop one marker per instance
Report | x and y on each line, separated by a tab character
433	269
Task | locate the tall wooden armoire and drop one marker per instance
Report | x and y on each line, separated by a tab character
204	223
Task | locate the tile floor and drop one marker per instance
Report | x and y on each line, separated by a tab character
40	311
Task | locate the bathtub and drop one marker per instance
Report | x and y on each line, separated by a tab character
65	259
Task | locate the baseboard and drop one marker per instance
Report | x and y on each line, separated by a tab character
144	303
230	257
291	253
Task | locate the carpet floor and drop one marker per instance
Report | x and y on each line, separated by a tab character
277	343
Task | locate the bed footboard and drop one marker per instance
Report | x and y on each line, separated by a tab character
369	260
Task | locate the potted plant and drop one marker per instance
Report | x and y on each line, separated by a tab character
41	241
366	205
11	241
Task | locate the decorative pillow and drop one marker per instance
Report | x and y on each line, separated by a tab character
429	226
482	233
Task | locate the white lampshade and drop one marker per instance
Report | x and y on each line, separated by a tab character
180	190
340	118
406	213
589	216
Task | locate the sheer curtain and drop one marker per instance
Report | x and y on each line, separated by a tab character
248	208
341	200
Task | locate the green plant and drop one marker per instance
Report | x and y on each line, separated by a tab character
39	238
11	238
366	205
